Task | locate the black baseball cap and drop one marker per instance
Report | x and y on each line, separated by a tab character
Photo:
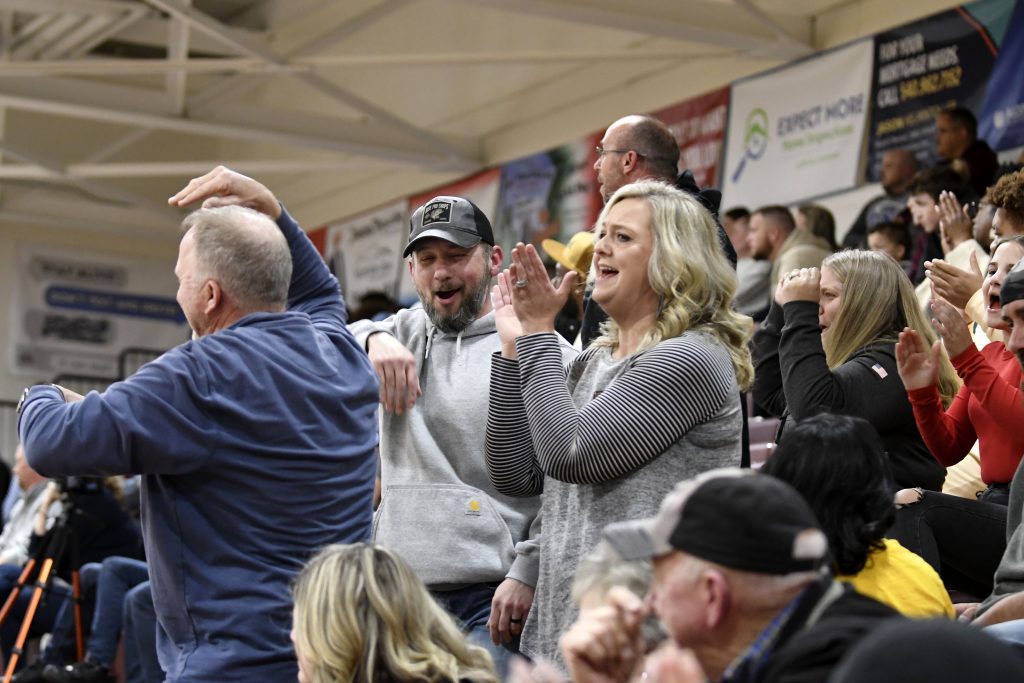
1012	288
454	219
732	517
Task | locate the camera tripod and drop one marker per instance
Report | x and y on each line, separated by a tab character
38	574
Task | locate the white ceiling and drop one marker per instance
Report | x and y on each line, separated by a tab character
107	106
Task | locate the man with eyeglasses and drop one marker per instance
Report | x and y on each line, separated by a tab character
635	148
639	147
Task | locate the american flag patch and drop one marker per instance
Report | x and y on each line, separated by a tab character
879	370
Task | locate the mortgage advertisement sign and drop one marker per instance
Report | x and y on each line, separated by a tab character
787	141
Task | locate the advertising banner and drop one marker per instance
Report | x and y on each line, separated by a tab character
73	313
920	68
699	126
548	195
1001	121
365	252
796	132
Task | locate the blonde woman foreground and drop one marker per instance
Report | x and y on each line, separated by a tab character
828	344
653	401
361	615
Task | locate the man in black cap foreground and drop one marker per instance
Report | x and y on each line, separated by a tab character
738	578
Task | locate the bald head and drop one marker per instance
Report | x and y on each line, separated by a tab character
636	147
654	142
245	252
897	170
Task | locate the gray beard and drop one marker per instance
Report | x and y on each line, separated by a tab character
462	318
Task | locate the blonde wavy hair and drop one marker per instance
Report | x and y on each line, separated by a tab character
690	274
361	615
878	302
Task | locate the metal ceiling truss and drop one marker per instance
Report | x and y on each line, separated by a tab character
56	60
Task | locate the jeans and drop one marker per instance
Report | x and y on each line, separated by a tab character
471	607
118	576
140	625
963	540
104	587
1010	633
998	494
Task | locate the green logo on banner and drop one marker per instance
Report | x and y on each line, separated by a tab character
755	139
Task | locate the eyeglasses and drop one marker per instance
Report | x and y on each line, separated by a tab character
601	151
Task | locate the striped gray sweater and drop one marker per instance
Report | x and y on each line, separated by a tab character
605	442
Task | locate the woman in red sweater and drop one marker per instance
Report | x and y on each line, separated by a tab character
964	539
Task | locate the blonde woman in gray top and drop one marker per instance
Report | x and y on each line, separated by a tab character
653	401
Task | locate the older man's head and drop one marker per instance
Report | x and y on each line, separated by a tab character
232	261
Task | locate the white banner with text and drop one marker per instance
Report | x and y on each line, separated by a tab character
365	252
74	313
797	132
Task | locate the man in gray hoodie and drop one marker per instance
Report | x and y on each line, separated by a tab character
476	550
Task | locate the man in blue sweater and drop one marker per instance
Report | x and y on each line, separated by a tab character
256	438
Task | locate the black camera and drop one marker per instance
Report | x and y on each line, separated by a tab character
78	484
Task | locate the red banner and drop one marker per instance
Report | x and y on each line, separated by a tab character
699	126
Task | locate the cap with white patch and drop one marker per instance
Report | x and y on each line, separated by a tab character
453	219
732	517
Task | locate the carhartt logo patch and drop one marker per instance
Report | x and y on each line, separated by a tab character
437	212
473	508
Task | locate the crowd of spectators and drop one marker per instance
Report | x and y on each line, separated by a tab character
529	477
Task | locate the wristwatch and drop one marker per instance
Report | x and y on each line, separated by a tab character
24	395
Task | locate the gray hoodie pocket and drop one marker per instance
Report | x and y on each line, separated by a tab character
449	534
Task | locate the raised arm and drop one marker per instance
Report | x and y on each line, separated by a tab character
129	424
768	392
948	434
665	392
313	289
808	383
1000	398
508	450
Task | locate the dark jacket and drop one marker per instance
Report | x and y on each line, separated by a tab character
982	164
829	619
792	379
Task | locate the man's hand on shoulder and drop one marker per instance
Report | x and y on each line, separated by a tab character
511	603
396	369
224	187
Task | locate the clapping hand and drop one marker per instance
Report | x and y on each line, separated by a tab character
535	299
917	365
953	284
951	327
955	224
